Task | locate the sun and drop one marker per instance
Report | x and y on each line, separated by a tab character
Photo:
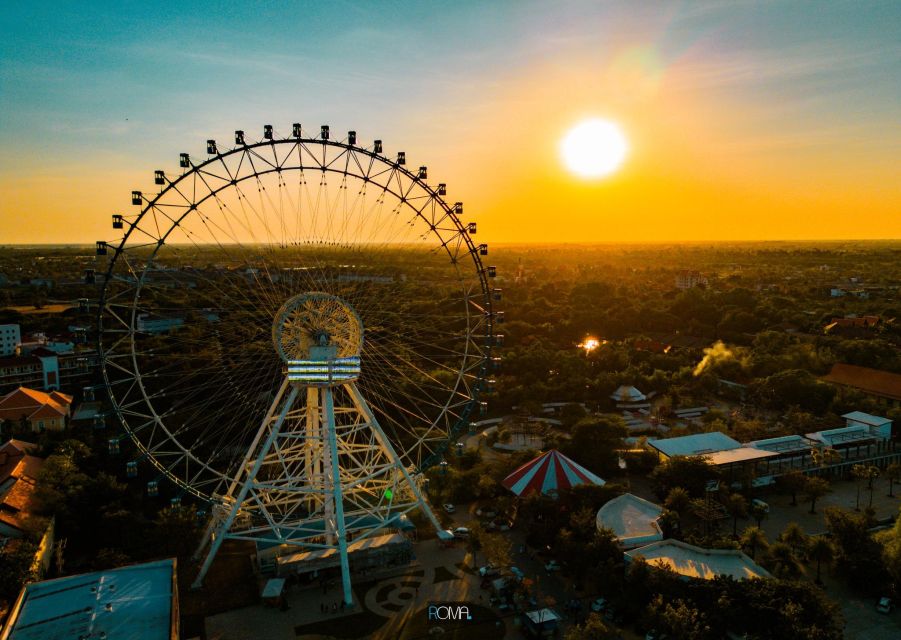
594	148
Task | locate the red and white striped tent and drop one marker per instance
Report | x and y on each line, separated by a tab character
549	472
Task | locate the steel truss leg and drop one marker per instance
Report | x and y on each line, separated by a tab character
363	408
225	525
337	495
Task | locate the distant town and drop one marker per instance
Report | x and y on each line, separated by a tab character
665	429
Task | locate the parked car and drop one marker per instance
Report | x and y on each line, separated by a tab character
489	571
599	605
885	605
461	532
449	508
516	571
552	565
653	634
760	504
486	513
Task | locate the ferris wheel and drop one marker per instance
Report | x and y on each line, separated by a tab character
296	312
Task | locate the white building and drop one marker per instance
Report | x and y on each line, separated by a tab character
10	337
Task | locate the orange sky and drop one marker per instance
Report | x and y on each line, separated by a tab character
743	125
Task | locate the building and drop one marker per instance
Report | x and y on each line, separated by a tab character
854	326
44	369
687	279
542	623
690	561
10	337
882	386
42	411
633	520
628	397
138	602
18	476
694	445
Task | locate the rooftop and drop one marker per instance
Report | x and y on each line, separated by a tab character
783	444
128	603
696	444
742	454
875	381
866	418
695	562
632	519
843	435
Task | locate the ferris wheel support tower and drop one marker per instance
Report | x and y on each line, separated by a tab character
320	469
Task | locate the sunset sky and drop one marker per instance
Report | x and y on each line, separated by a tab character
745	120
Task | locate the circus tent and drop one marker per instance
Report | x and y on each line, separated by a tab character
549	472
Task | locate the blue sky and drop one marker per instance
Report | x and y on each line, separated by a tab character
126	86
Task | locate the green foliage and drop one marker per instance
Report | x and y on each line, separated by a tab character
689	472
15	567
859	557
595	442
593	628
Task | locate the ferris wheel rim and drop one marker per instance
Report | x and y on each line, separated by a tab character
388	167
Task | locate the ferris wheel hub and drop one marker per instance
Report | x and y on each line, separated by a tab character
316	326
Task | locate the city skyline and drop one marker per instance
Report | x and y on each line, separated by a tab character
745	121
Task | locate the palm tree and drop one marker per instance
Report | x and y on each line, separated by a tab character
872	472
893	473
737	507
677	500
822	551
858	472
783	562
759	511
795	537
815	489
753	539
792	482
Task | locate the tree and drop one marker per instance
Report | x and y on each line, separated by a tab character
871	473
858	472
178	531
783	562
498	549
690	472
753	539
893	473
814	489
759	511
792	482
595	442
592	629
681	618
15	568
677	500
822	551
795	537
737	506
860	557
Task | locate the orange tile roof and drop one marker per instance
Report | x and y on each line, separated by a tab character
27	402
874	381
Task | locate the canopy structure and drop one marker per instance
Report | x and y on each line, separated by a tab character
548	473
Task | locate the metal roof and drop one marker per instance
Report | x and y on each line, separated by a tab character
866	418
783	444
742	454
697	444
128	603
